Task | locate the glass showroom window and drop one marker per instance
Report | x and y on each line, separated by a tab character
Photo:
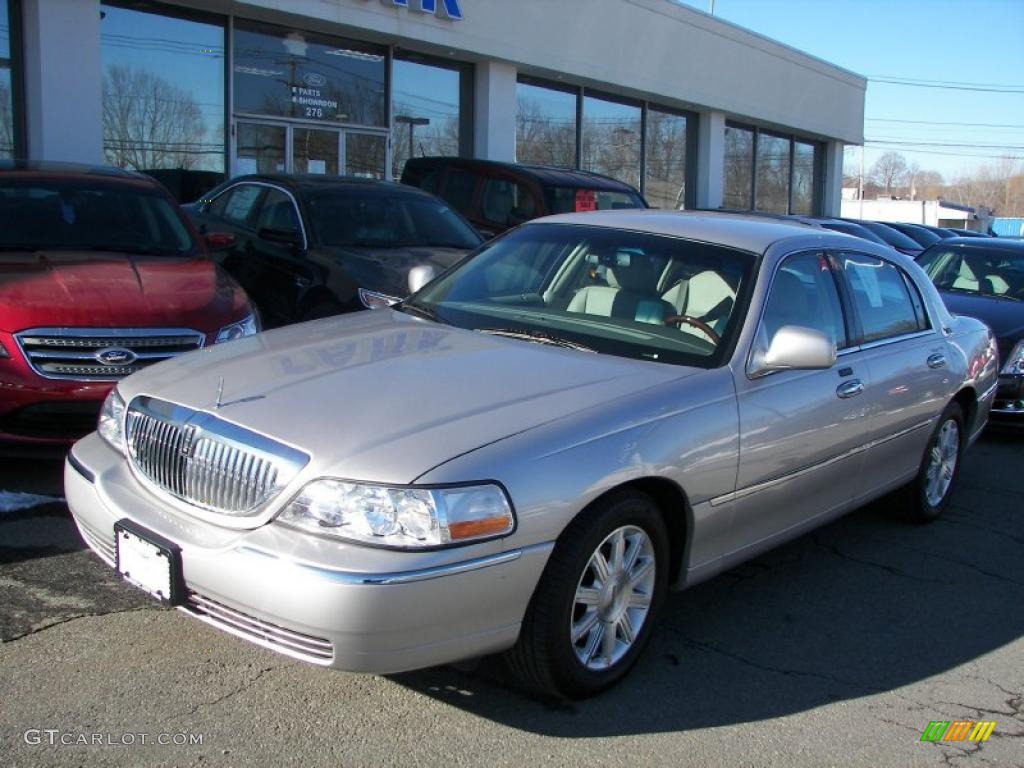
665	174
804	177
288	73
425	105
739	168
545	125
611	139
163	92
7	118
772	174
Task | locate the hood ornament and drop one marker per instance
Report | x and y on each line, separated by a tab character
220	393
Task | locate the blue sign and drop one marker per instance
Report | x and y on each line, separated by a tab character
449	8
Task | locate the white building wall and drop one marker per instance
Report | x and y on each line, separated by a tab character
63	80
494	111
655	49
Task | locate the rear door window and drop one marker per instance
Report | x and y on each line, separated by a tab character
881	298
506	202
237	205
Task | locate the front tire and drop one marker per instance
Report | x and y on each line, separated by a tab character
929	493
597	601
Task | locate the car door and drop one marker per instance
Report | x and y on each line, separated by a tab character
800	430
277	257
906	357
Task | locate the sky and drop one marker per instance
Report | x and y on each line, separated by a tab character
972	49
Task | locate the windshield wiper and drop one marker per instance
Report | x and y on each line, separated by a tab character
540	337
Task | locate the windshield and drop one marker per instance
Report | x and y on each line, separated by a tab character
344	217
984	273
89	215
632	294
575	199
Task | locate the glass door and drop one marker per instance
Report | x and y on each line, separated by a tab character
265	147
315	151
365	154
260	148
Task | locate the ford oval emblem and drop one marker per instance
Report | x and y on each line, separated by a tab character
314	79
116	356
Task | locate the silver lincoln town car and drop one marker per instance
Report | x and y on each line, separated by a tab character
529	451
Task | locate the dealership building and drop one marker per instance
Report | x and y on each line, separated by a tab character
693	111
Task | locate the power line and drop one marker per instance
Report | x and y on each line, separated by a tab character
962	145
976	89
936	122
942	82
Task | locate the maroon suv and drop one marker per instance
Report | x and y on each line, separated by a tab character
100	275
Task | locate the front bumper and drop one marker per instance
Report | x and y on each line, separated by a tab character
279	589
1009	397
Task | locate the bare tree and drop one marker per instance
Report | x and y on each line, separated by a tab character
148	122
889	171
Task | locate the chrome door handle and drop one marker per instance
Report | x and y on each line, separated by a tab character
850	388
937	360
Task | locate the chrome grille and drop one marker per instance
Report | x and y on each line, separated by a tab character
306	647
205	461
76	353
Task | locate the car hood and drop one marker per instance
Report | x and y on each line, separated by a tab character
387	269
1004	317
64	288
382	396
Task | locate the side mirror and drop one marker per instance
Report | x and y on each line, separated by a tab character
794	348
218	241
281	236
420	276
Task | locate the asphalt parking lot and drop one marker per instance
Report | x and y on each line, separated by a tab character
836	649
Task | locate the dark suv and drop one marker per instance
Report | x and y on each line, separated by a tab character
497	196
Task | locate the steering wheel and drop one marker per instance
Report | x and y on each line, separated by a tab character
700	325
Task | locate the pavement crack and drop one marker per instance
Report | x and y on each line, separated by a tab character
967	564
767	667
834	550
75	617
224	697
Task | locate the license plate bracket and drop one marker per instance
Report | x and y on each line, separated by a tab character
148	561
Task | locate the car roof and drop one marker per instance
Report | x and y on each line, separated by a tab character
748	233
49	169
1004	245
543	174
306	182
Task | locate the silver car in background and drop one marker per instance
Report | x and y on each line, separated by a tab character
527	453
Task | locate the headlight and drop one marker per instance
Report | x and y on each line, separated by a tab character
1015	362
111	424
403	518
374	300
247	326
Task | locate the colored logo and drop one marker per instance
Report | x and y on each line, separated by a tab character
958	730
115	356
314	79
448	9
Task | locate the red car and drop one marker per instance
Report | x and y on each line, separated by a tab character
100	275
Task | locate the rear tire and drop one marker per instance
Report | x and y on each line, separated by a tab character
597	601
929	493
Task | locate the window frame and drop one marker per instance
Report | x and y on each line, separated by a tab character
581	93
860	340
818	167
16	67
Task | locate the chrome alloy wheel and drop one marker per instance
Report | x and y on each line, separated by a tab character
944	455
613	598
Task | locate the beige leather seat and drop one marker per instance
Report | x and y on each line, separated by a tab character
706	296
630	294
